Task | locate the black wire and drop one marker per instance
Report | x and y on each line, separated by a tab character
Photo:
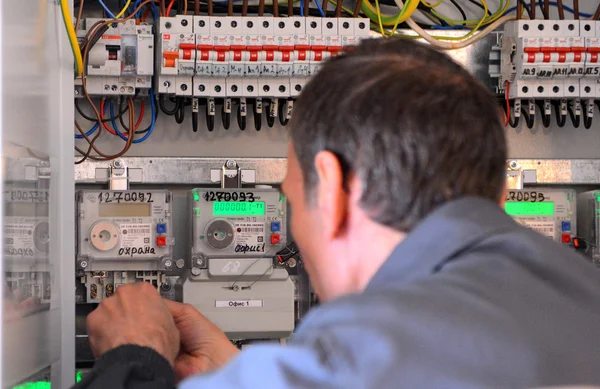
283	120
529	120
257	118
575	119
267	109
561	119
541	3
126	127
225	116
180	112
462	11
545	118
587	122
480	6
91	119
161	104
195	121
210	119
526	6
513	121
241	119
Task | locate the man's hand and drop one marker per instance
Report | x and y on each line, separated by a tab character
136	314
204	347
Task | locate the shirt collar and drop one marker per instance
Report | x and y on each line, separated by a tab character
448	230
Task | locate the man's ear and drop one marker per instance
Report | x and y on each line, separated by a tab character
332	200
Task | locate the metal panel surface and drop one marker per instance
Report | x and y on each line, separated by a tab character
186	171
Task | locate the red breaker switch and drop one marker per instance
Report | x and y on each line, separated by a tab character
275	238
566	238
161	241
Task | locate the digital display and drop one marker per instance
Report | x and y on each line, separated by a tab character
125	210
522	208
232	208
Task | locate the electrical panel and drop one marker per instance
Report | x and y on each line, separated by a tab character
588	214
551	212
235	280
119	232
235	56
121	62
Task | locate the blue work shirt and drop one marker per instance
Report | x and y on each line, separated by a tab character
470	299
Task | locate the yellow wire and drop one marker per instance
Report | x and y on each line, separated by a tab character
68	20
123	10
379	17
426	4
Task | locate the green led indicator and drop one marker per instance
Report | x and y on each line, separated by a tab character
197	211
227	208
518	208
78	376
598	198
34	385
196	196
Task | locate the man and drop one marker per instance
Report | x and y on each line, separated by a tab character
395	177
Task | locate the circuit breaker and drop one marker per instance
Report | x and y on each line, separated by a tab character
235	56
551	212
121	62
235	281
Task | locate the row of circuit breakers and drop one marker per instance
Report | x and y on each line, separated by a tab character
549	59
209	56
231	272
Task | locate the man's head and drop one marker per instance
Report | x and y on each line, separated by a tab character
381	137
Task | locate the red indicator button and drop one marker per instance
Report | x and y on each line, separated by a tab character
275	238
161	241
566	238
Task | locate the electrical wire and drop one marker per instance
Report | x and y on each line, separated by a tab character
576	9
301	7
324	5
139	122
91	119
466	40
553	4
79	14
261	7
319	7
596	14
477	4
276	8
92	36
166	111
122	12
426	4
244	7
107	10
196	7
150	129
379	18
338	8
532	9
473	23
92	130
68	22
229	7
506	93
290	10
560	118
357	8
462	11
546	9
168	11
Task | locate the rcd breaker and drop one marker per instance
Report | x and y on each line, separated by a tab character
122	237
551	212
235	281
588	216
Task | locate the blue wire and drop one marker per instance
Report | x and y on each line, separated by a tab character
152	124
581	14
320	8
93	129
108	12
302	7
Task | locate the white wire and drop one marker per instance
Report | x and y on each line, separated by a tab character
454	45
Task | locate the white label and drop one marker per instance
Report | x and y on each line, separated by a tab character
544	228
136	235
18	239
249	237
238	303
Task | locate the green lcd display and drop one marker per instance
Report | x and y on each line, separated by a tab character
233	208
522	208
